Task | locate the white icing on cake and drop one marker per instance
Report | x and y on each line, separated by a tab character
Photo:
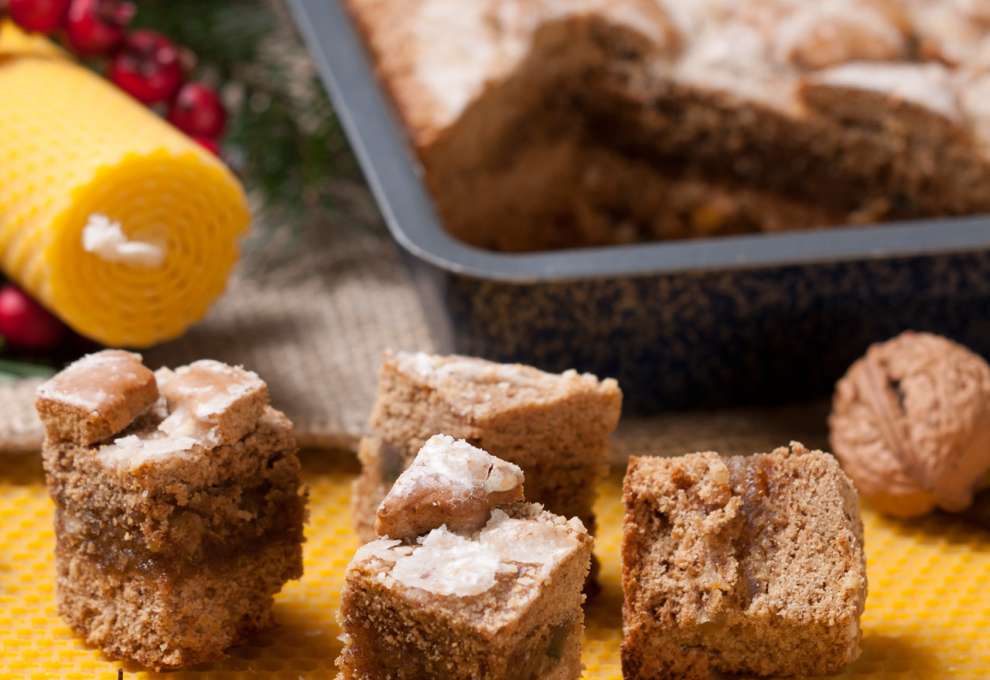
446	463
478	387
193	398
418	363
456	53
84	382
526	541
927	85
736	59
446	563
107	240
380	548
198	394
951	29
503	477
134	451
438	369
444	54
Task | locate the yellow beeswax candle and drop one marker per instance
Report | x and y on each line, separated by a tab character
117	222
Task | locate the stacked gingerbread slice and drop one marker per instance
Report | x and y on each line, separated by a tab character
555	427
466	580
178	505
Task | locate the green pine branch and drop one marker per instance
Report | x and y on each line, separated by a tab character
283	137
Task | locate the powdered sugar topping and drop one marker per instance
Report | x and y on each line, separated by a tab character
193	398
446	563
380	548
449	463
819	35
133	451
438	368
526	541
482	385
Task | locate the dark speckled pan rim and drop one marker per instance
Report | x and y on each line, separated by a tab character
395	177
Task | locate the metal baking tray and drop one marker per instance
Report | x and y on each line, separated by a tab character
733	320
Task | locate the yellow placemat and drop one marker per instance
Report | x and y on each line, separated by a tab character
927	616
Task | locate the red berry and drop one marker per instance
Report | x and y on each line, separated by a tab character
198	111
208	144
42	16
25	323
147	67
97	26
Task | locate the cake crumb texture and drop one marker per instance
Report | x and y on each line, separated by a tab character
741	565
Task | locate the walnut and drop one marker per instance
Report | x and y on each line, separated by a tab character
910	424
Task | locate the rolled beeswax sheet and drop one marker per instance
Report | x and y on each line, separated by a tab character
117	222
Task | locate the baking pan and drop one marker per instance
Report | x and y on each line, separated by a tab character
733	320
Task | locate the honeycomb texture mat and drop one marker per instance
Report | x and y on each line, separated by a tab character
927	616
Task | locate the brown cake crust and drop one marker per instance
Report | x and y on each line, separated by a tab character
516	412
740	565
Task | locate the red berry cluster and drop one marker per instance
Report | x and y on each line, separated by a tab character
26	324
143	63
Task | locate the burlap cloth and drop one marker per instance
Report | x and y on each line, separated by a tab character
312	308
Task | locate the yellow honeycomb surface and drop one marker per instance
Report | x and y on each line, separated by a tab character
927	616
73	146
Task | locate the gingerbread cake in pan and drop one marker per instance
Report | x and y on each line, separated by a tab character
545	124
179	511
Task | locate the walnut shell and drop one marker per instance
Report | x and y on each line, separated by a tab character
910	424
